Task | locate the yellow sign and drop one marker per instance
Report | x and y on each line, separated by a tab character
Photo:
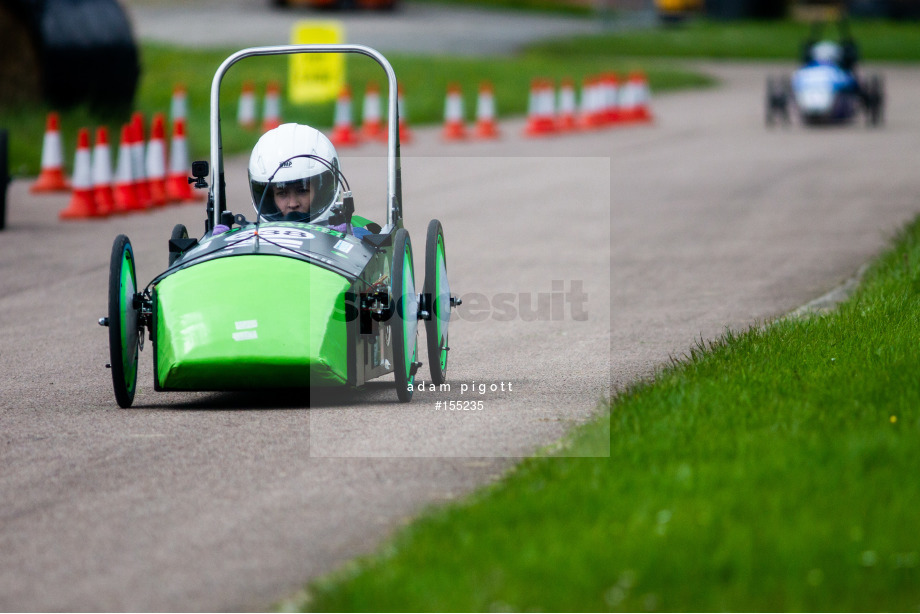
316	77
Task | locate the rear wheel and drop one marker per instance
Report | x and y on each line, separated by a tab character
875	100
404	316
769	102
124	316
777	100
437	289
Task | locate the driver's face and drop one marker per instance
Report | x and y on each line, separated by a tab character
292	198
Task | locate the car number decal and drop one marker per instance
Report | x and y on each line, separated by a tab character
246	330
291	238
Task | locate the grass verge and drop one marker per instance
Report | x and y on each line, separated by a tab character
773	470
878	40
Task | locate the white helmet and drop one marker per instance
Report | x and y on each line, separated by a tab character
827	52
298	157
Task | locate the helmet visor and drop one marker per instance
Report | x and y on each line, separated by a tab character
299	200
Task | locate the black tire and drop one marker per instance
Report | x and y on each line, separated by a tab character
436	287
404	316
770	102
876	100
777	100
124	334
786	98
179	231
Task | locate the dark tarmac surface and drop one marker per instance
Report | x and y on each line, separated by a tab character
225	502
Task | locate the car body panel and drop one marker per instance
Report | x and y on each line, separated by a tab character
318	245
254	320
825	93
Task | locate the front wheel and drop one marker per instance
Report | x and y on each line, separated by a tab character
769	102
404	318
124	317
437	290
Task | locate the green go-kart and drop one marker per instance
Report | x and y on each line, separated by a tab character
282	304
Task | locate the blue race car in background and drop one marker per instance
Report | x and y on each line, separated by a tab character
826	89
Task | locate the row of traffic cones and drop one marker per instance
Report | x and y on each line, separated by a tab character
604	102
142	179
607	101
373	126
271	107
486	124
143	176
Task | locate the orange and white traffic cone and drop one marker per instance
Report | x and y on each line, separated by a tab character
271	107
567	106
177	185
178	106
591	111
81	200
124	188
371	123
343	134
103	196
636	98
541	109
612	97
138	165
155	161
246	108
486	127
454	128
52	177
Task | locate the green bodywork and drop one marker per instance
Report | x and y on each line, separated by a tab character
358	221
251	321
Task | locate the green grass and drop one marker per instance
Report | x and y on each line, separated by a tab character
564	7
753	40
774	470
424	78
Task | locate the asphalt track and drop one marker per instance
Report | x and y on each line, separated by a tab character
413	27
223	502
